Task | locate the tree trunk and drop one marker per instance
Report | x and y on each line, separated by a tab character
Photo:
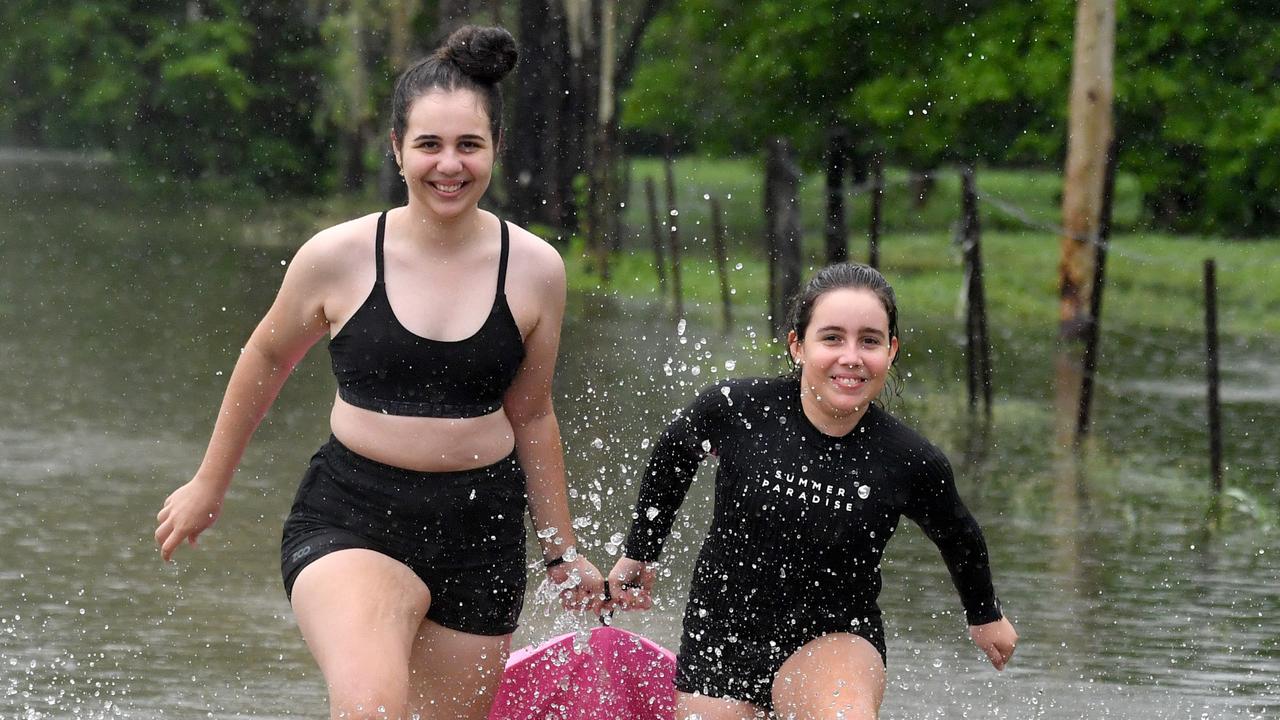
1090	132
604	164
837	243
355	83
399	53
529	165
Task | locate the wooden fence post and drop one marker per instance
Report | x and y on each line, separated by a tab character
782	181
1211	369
877	199
656	225
1094	328
979	346
722	260
672	220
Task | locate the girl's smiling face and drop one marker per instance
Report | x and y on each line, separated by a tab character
448	151
844	358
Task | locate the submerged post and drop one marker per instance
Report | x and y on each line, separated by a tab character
1211	368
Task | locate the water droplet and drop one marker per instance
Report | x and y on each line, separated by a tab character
680	326
864	491
597	443
730	365
651	513
706	446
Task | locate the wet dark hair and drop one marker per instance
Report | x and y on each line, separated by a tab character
472	58
840	276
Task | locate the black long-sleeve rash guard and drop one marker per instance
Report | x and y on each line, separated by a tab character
801	518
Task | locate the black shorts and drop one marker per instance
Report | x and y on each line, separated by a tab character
735	652
461	532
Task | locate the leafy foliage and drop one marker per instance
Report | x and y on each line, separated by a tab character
1197	97
225	92
262	93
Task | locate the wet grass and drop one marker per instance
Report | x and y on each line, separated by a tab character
738	185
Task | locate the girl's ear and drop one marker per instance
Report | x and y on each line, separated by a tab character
893	350
795	347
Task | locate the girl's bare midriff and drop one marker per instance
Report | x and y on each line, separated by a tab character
425	444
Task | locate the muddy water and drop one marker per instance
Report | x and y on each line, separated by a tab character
121	328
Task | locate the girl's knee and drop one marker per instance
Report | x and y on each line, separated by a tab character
368	697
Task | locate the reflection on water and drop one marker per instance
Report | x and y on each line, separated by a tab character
121	328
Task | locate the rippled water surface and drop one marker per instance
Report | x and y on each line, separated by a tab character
120	331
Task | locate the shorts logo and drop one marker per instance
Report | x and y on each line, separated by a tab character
300	553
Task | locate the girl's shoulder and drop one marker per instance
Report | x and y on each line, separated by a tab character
343	244
897	438
533	255
748	394
333	254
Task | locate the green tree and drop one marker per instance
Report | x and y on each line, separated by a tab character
1197	97
218	89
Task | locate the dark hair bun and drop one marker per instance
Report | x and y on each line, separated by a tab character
484	54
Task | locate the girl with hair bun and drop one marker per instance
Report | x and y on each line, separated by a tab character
404	553
813	478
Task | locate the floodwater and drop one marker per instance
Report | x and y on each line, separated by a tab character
121	329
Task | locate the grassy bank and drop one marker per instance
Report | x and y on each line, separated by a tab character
1154	280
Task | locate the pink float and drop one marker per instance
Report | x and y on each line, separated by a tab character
611	673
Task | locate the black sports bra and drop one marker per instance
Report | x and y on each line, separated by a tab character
380	365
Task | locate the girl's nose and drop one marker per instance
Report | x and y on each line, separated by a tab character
449	162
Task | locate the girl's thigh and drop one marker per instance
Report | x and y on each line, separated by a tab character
836	675
359	612
454	674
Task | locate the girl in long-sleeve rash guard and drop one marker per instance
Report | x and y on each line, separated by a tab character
811	483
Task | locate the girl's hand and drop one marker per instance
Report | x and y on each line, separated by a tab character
631	584
996	639
582	587
187	512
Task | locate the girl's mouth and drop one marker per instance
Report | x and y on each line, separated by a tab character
448	188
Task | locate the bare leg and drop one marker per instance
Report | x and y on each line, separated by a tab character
835	676
702	707
453	674
359	612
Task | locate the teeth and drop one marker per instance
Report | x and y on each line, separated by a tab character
449	188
